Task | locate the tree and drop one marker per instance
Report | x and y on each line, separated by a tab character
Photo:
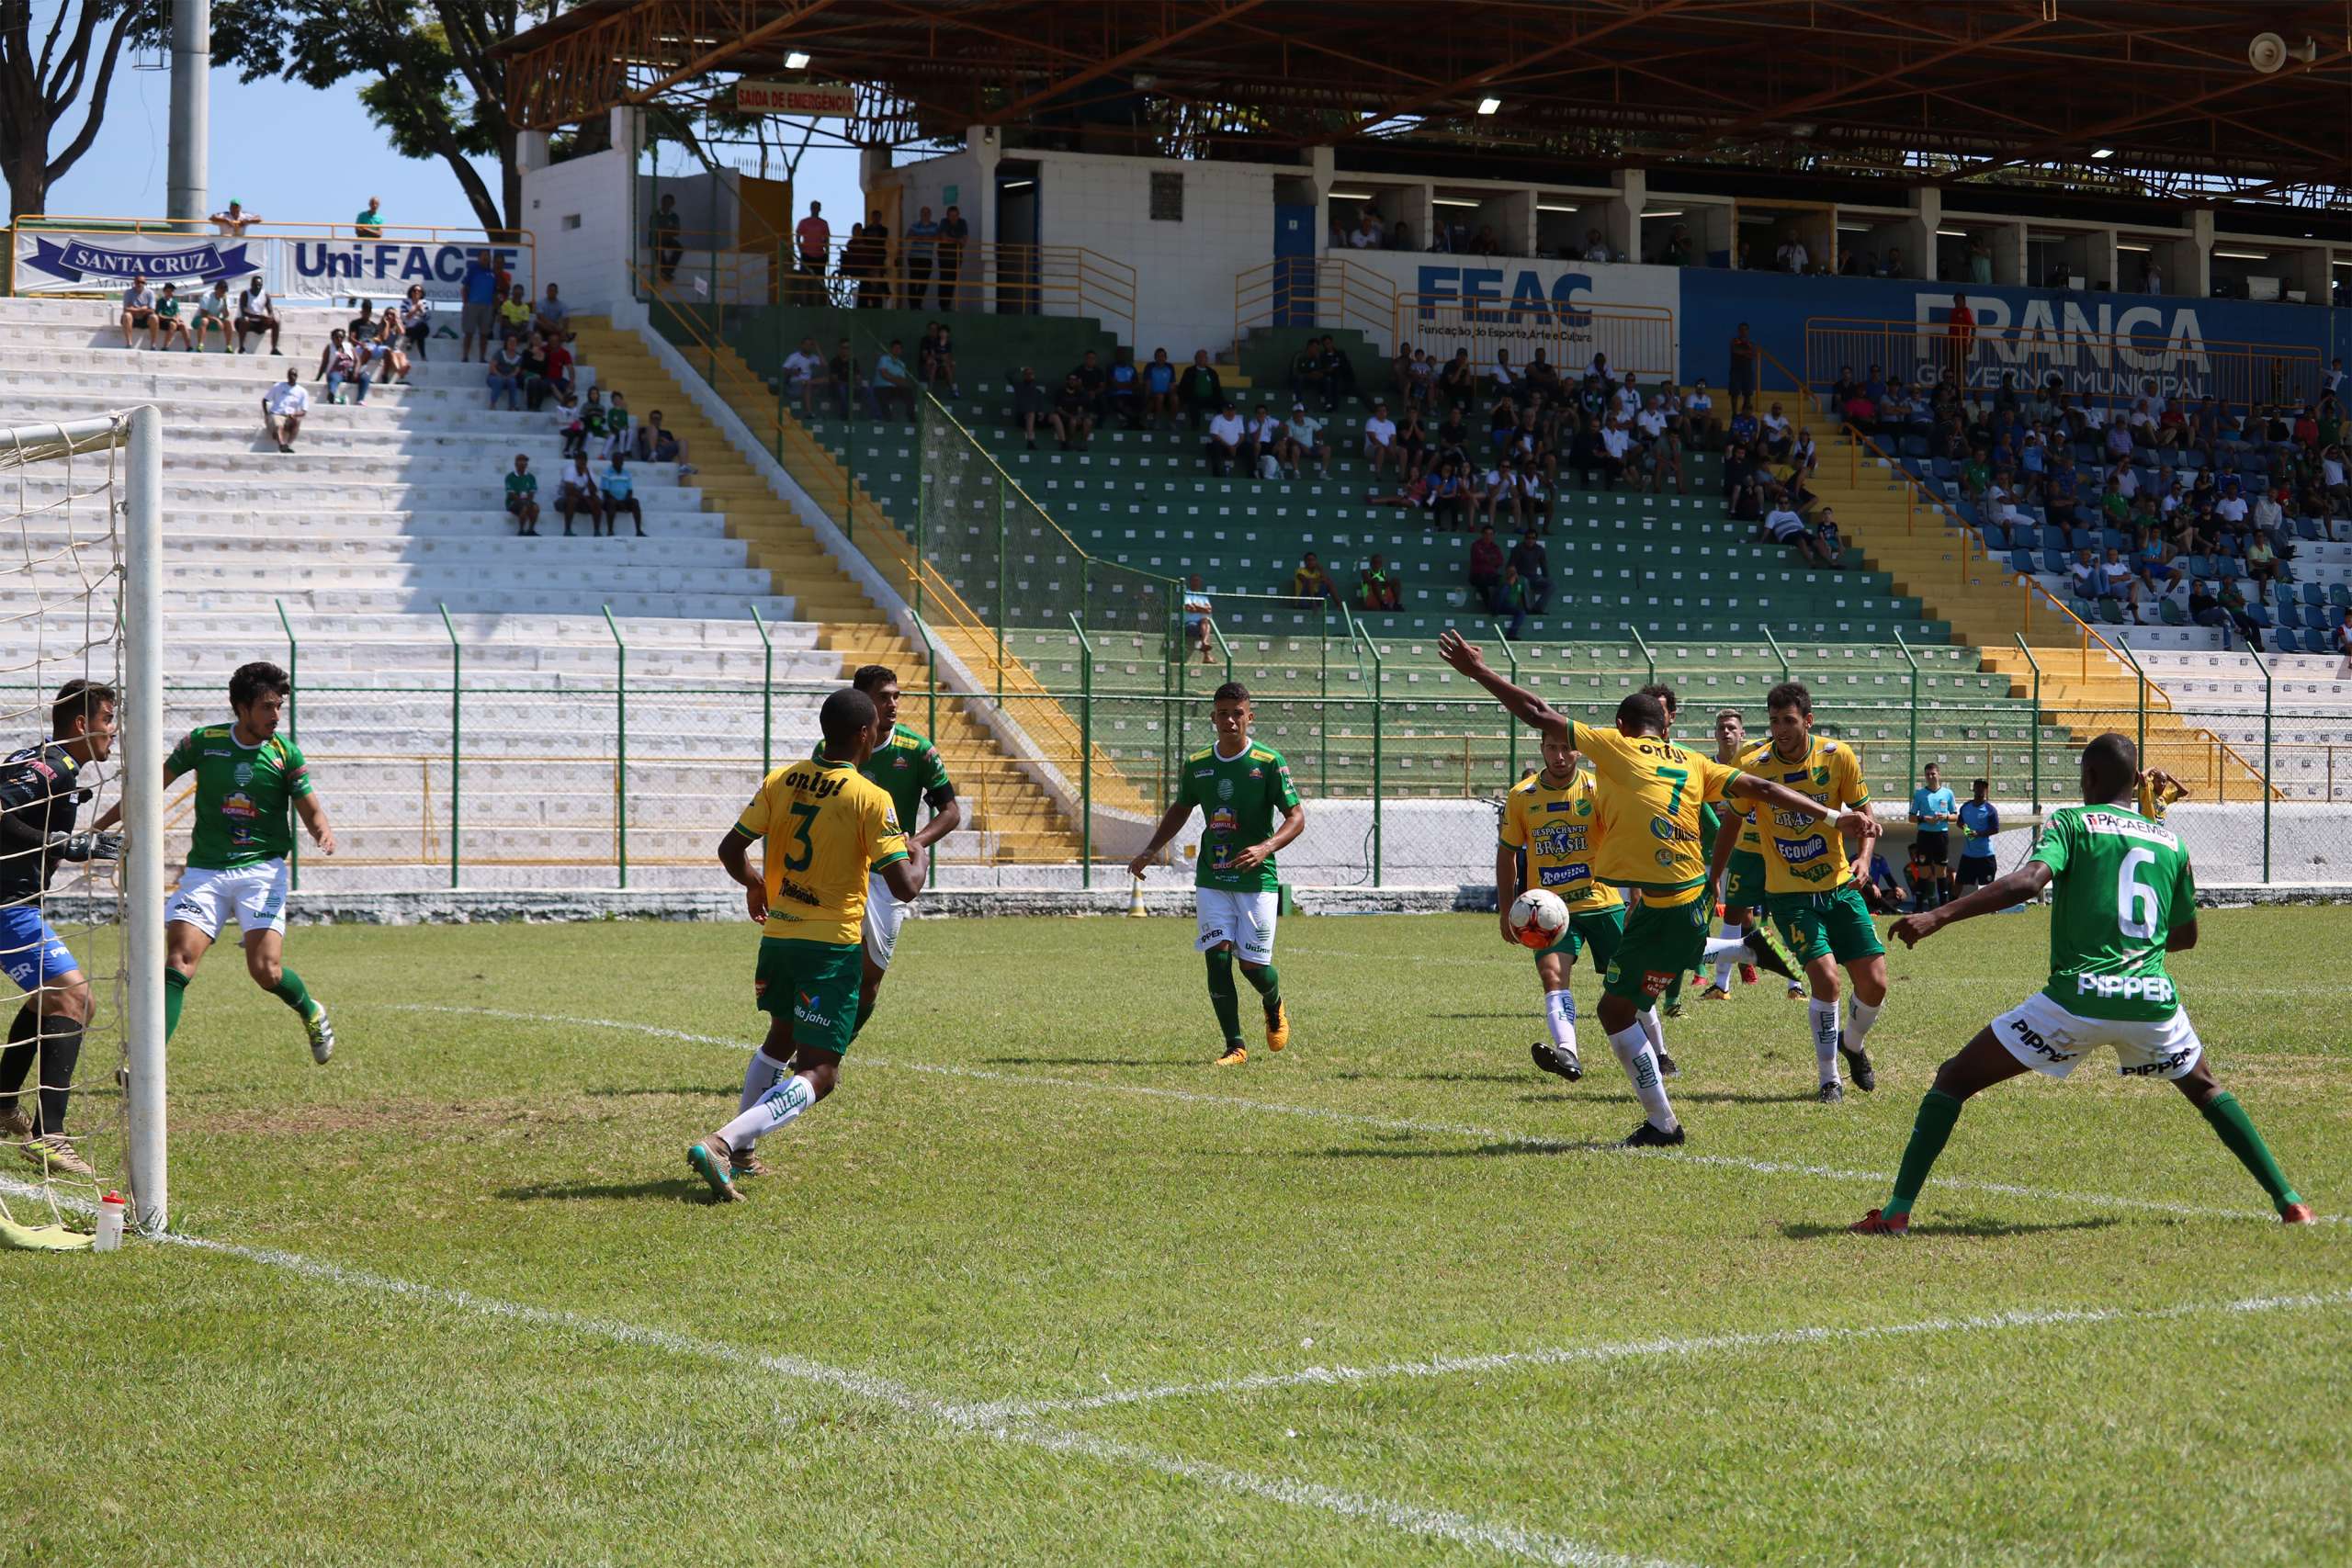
38	90
421	67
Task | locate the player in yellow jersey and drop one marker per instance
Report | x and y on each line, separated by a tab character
1650	793
825	828
1737	871
1813	888
1549	835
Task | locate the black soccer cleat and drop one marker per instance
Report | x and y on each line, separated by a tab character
1858	1066
1559	1063
1647	1136
1665	1068
1769	956
1833	1094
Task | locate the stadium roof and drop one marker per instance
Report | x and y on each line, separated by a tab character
1913	90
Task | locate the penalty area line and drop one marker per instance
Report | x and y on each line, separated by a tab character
1392	1125
1410	1518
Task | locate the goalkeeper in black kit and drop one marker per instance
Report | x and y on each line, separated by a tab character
42	790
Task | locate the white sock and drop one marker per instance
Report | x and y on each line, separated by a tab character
1652	1031
1560	1018
1730	948
1724	961
759	1077
779	1105
1632	1048
1824	1018
1859	1016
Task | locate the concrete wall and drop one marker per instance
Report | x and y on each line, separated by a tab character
579	209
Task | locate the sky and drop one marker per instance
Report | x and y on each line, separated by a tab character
306	155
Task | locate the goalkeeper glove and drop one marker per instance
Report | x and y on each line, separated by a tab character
86	846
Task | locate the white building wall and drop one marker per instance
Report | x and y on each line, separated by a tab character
578	212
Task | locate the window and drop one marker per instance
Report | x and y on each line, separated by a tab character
1168	197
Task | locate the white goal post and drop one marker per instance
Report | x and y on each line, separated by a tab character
83	500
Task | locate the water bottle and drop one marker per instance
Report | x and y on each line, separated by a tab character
111	1210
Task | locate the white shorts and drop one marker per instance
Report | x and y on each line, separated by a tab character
1245	919
884	916
255	895
2049	1039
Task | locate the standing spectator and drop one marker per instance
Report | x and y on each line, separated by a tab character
282	408
1223	445
338	366
416	320
1793	255
620	487
1073	415
1376	587
804	377
922	248
1677	250
1199	390
841	371
236	221
1960	335
369	224
878	274
1380	446
1197	616
1303	438
1030	404
953	235
505	378
523	498
167	319
576	491
812	240
1743	371
892	380
1529	559
668	248
1980	820
1311	581
215	310
1980	259
1158	390
935	358
478	317
1486	570
139	310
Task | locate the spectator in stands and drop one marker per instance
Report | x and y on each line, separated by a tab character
570	428
1376	587
1743	371
955	234
1829	544
1073	415
1339	373
370	223
892	380
167	319
1123	395
1367	235
812	244
2235	607
523	498
1158	390
236	221
1261	438
663	237
1416	376
1485	571
1778	436
1303	438
416	320
804	375
1793	255
617	424
1221	445
1458	382
1380	446
1453	496
1030	404
1197	616
553	318
2341	637
1784	526
339	366
282	408
1533	565
620	488
657	443
1200	390
514	314
139	310
875	279
214	312
921	250
1699	423
1401	236
505	377
1679	250
1533	486
478	316
386	359
1095	384
2117	581
2262	562
576	491
1515	603
1616	450
1505	379
533	371
2083	575
1311	581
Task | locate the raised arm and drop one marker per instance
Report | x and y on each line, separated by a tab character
1781	797
1524	705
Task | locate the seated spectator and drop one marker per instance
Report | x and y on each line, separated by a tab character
1199	390
617	424
505	375
591	419
569	426
657	443
1486	573
841	371
523	498
514	314
1376	587
1458	382
1505	379
416	320
256	315
1516	603
1415	493
2341	637
168	320
576	491
1073	415
1784	526
1678	248
553	319
804	378
282	408
1303	438
1616	446
1197	616
619	487
364	324
1123	396
1779	438
1380	447
1698	418
1532	490
1311	581
532	368
1828	543
1533	565
1455	497
2234	606
1031	403
214	312
936	359
1400	371
1261	439
1222	447
139	311
1339	373
2083	575
1095	384
381	356
339	368
1158	390
2117	581
892	380
2261	561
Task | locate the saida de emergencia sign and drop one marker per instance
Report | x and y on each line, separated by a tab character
809	100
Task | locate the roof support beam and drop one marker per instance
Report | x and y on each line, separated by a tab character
1120	61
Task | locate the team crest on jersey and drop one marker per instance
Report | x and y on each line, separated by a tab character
244	775
1821	776
1665	857
1225	789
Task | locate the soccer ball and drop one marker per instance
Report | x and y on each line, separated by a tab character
1538	917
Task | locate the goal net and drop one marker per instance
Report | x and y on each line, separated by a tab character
81	912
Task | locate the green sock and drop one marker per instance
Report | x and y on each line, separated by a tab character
1269	986
865	1000
2234	1128
1224	998
1937	1111
290	990
174	998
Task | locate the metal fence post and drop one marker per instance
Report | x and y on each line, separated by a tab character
2223	761
1001	487
2033	733
1323	692
1649	658
1085	754
293	734
620	747
1379	707
1777	653
767	694
1913	757
1510	724
457	741
2140	692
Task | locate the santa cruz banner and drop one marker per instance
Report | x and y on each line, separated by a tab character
50	262
60	261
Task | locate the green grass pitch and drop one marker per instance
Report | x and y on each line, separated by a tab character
1039	1285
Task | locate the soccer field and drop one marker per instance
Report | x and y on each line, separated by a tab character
1038	1284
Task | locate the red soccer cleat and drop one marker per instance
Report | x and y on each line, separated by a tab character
1878	1223
1748	974
2297	1214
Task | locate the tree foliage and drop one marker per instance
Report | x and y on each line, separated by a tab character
41	84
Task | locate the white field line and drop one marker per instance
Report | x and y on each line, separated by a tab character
1410	1518
1629	1349
1391	1124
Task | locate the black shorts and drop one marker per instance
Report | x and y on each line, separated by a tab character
1936	847
1975	871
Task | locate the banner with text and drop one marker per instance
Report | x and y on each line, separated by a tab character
60	261
325	269
66	261
1571	310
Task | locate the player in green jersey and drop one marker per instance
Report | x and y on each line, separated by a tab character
1241	786
2124	898
1737	872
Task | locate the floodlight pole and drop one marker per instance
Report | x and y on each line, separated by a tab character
189	174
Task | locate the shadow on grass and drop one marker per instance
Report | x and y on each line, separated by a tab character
1481	1151
1095	1061
1798	1231
677	1189
657	1091
1680	1096
1437	1077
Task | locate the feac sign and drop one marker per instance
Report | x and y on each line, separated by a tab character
2098	352
1480	293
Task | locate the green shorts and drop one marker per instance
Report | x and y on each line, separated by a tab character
1744	881
1602	928
814	983
1826	925
1660	942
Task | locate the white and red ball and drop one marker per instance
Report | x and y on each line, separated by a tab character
1538	919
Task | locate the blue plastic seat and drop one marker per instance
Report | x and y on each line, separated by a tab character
2284	641
1997	539
2054	562
2021	562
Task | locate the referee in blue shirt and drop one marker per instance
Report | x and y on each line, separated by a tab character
1933	811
